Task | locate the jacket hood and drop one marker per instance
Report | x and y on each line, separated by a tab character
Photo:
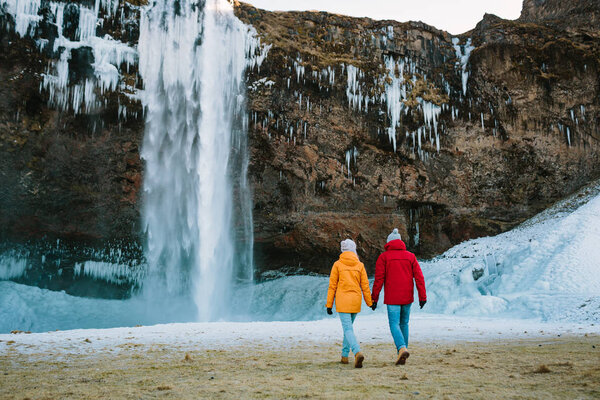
349	258
395	245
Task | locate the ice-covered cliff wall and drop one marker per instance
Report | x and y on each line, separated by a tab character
355	126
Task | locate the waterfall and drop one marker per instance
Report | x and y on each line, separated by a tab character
197	205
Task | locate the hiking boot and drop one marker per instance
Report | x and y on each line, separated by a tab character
358	360
402	356
344	360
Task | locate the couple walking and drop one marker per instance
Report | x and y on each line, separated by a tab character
395	270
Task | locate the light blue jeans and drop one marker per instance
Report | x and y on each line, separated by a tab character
398	318
350	342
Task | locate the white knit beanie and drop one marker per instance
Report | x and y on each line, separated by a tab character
394	235
348	245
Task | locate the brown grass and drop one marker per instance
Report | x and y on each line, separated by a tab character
542	369
496	370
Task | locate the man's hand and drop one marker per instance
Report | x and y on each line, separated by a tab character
329	311
373	306
422	303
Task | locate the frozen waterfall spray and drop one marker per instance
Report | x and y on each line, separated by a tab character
197	203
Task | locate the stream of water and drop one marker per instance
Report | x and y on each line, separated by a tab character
197	211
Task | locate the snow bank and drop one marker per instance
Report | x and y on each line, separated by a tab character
547	268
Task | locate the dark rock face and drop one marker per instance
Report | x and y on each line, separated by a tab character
580	14
323	167
525	135
70	21
72	178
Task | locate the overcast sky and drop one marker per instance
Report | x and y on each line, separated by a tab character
454	16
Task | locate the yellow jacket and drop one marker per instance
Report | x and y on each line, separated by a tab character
348	278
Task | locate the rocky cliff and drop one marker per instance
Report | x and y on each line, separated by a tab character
569	15
356	126
362	125
70	167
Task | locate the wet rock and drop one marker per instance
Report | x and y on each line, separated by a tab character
80	64
70	24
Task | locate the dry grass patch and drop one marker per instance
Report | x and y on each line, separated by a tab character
542	369
496	370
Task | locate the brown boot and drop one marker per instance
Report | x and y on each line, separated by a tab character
402	356
358	360
344	360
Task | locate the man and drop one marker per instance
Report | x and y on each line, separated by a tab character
396	269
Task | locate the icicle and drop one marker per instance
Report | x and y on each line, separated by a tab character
463	58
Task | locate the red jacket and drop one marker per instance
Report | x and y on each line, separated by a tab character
396	268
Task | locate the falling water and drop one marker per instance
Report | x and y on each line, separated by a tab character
192	56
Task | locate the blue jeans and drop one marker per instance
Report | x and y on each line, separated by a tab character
398	319
350	342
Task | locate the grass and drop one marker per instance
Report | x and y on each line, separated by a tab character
566	368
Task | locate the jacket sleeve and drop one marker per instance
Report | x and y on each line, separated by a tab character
364	285
379	277
419	280
333	282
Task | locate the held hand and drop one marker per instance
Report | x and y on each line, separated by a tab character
422	303
329	311
373	306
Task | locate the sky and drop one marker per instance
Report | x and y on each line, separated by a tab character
454	16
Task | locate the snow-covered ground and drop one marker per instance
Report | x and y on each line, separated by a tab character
542	276
424	328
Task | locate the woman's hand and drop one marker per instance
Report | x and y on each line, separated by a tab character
329	311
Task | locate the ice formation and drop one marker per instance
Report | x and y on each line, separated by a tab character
463	53
395	94
351	156
195	152
12	267
353	89
109	56
111	272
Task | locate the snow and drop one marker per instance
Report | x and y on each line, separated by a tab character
548	268
369	328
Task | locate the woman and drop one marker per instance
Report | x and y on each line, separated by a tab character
348	283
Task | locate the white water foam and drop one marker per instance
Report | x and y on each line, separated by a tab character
192	60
